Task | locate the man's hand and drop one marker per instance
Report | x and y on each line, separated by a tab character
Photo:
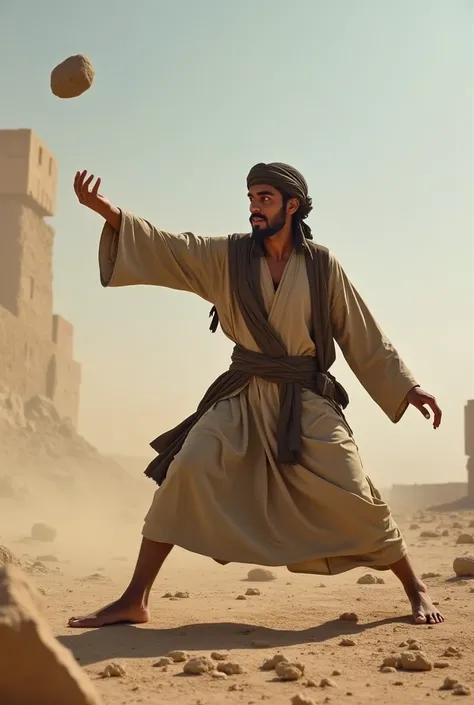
90	198
420	399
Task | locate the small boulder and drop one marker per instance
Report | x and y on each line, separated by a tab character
367	579
463	566
271	663
113	670
289	671
198	666
230	668
261	575
415	661
72	77
465	539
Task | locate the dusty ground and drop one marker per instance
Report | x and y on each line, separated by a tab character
295	615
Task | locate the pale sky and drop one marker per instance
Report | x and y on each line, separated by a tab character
370	99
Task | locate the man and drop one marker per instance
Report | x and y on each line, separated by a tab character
238	487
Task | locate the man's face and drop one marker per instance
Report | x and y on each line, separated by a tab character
268	213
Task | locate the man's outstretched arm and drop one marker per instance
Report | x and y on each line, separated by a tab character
132	251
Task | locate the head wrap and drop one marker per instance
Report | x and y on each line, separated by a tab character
289	181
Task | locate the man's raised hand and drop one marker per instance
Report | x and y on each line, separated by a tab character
87	196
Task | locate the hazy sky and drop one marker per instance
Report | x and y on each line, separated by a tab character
370	99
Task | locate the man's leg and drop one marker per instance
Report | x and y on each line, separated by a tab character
423	609
132	607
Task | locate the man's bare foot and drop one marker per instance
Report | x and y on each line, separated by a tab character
423	609
118	612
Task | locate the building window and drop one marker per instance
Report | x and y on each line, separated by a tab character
40	156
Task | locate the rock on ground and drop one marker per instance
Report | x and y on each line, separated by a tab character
463	566
260	575
34	666
465	538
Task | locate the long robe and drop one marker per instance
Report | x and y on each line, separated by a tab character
225	496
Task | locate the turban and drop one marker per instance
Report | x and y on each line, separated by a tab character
289	181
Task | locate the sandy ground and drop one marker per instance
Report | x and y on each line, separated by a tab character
296	615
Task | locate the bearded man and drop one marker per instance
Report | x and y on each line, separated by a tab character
266	471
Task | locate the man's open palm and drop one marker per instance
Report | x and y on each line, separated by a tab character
89	197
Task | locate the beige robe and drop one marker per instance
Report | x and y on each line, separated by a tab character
225	496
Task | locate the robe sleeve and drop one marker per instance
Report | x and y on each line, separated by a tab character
141	254
368	352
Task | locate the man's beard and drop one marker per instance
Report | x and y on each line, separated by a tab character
260	234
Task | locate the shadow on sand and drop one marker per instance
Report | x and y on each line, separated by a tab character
128	641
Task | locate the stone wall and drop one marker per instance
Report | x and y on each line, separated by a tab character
36	348
24	356
10	260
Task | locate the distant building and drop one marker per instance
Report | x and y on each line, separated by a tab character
36	346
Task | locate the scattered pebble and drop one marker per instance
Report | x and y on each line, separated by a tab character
178	656
271	663
347	642
113	670
299	699
327	683
236	687
218	656
449	683
367	579
240	597
289	671
252	591
415	661
465	538
198	666
461	690
230	668
260	575
349	617
162	662
392	661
